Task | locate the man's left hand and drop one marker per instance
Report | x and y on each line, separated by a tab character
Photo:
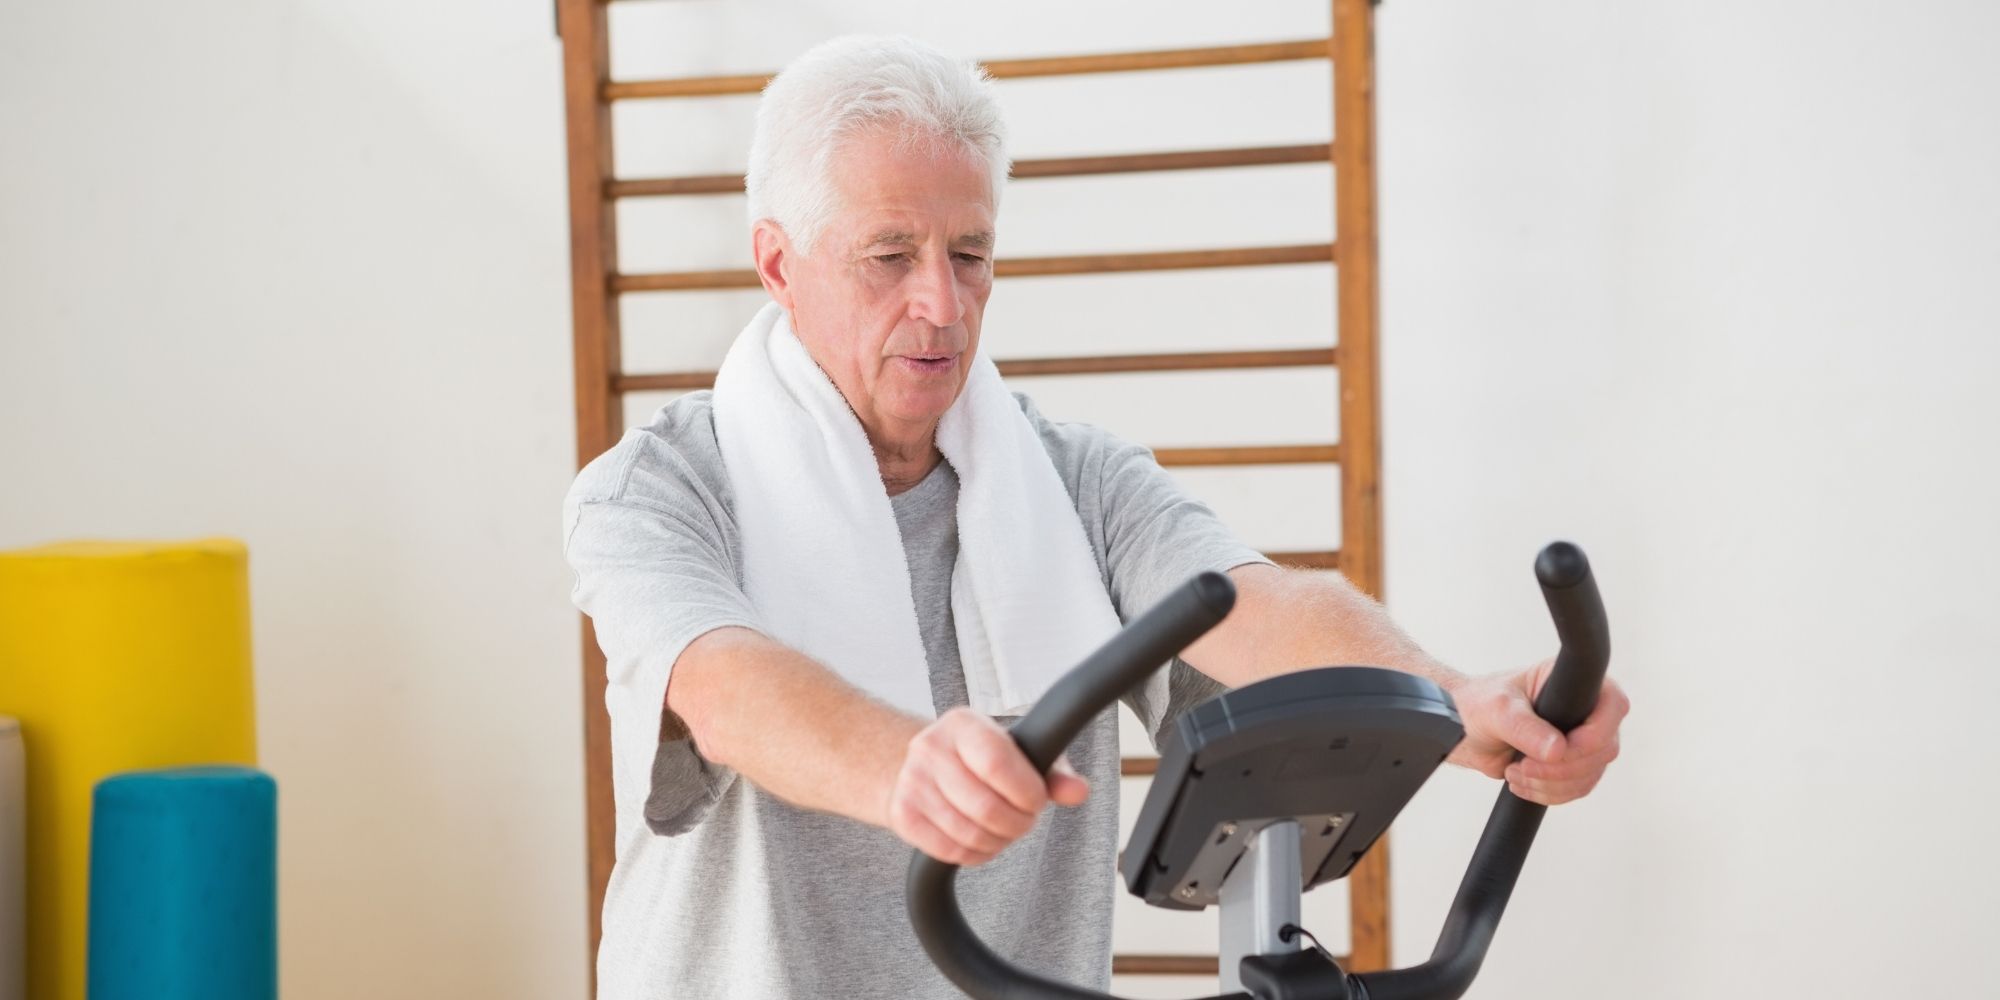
1499	716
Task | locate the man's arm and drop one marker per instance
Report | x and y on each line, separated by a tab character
1288	620
958	788
680	636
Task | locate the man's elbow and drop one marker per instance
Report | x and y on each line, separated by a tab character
697	697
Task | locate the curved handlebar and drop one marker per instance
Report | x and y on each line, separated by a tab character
1570	591
1118	666
1122	664
1566	699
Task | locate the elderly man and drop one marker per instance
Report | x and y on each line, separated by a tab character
821	587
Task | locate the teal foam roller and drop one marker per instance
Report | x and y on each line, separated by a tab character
183	886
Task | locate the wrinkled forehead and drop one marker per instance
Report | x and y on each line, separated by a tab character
889	190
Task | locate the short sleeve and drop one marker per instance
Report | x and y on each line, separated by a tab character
653	576
1157	537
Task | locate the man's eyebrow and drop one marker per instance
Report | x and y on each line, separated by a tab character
982	240
888	237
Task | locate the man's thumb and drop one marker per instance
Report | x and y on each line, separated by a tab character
1066	787
1532	735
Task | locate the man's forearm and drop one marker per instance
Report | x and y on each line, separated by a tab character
1288	620
807	736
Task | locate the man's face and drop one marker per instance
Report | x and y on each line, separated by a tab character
890	300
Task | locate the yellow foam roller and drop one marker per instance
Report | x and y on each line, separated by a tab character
114	656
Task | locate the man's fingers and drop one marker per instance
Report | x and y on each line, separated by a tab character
962	827
1548	792
907	819
1553	767
1602	725
988	752
974	798
926	837
1563	781
1527	732
1573	767
966	791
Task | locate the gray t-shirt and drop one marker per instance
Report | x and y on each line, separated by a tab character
721	890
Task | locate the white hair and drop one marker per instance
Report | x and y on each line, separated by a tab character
856	85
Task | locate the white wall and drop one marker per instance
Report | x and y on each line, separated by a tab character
296	273
1710	288
1706	288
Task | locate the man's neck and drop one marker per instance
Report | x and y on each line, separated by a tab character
906	461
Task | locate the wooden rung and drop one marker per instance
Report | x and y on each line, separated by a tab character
651	186
1287	454
1327	559
1021	267
1100	365
1172	260
1070	166
1165	965
684	281
1176	965
1138	767
1199	159
1192	361
1005	69
663	381
686	86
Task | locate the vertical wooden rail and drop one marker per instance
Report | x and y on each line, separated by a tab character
593	241
1360	425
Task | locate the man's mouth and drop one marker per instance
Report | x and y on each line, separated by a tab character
929	363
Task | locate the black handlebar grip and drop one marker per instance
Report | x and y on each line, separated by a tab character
1122	664
1570	693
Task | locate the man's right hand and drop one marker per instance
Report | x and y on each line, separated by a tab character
966	790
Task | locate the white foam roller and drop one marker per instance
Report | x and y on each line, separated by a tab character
13	863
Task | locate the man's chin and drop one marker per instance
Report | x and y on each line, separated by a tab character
923	407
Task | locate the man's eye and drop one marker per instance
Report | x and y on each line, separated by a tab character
969	257
892	258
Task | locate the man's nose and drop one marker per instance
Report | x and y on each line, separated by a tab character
934	293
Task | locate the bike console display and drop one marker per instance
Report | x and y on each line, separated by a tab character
1340	750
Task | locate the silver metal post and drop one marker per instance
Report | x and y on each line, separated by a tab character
1260	896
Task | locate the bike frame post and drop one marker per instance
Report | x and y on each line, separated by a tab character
1259	898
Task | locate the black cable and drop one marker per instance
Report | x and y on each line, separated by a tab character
1290	931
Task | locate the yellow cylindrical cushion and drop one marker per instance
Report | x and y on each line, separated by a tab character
114	656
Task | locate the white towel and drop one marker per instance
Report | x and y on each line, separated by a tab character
823	558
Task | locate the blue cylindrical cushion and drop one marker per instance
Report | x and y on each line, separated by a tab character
183	886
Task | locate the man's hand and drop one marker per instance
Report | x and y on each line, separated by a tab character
966	790
1499	716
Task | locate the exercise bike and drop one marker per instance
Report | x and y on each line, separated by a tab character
1274	788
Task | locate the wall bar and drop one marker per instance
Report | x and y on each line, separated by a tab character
1018	267
1071	166
1007	69
1288	454
1108	364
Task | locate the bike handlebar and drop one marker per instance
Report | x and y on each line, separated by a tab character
1118	666
1566	699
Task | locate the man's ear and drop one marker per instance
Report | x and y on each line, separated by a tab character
774	254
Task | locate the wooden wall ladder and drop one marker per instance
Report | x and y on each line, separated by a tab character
602	382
